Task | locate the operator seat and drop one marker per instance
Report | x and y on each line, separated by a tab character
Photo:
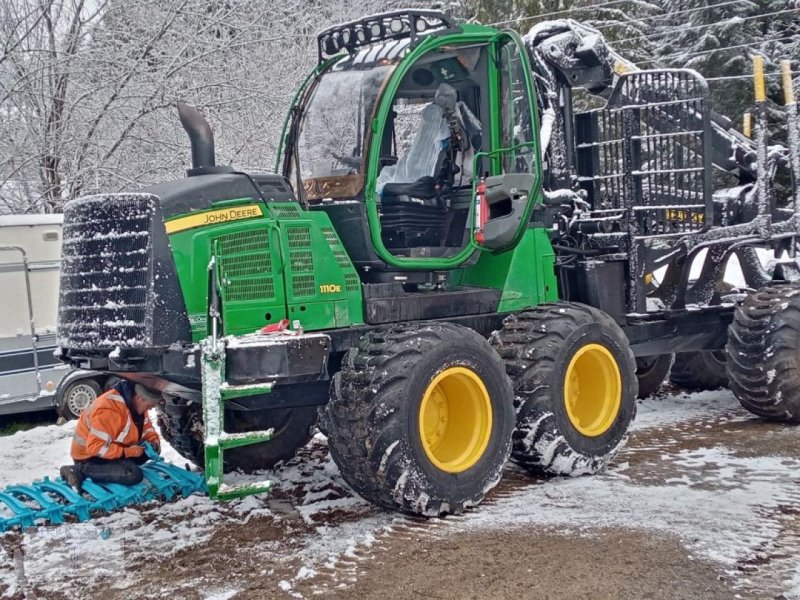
414	212
413	175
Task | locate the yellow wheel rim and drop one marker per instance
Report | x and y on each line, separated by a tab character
592	390
455	420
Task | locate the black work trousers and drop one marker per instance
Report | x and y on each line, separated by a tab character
124	471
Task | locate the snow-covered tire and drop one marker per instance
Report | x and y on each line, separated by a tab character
699	371
420	418
548	350
764	352
181	424
651	371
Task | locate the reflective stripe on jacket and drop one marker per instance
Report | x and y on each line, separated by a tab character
105	429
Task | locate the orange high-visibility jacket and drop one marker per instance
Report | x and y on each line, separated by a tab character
106	430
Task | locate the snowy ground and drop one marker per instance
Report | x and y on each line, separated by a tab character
702	489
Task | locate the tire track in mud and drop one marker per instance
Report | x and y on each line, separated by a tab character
343	572
772	565
648	459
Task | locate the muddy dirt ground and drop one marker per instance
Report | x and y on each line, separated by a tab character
704	502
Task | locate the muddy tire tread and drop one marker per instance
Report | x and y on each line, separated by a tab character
526	343
365	421
763	359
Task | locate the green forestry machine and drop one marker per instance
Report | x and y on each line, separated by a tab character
475	246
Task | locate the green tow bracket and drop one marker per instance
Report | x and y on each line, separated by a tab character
234	440
215	439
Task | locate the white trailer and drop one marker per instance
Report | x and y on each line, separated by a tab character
31	378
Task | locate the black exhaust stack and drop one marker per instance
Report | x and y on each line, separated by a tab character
202	140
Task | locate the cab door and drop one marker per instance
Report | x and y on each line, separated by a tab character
508	177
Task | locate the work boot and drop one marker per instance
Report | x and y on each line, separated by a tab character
71	475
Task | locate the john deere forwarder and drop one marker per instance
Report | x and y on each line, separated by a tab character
470	267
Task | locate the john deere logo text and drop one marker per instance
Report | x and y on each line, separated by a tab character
330	288
214	217
234	214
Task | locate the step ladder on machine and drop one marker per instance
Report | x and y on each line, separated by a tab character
216	392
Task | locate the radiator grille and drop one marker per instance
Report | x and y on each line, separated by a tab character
301	260
285	211
106	286
246	265
330	236
299	237
352	283
303	285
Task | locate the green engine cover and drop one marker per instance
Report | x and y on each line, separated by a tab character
274	261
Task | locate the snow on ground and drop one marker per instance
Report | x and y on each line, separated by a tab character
670	409
681	475
56	556
723	514
64	553
38	452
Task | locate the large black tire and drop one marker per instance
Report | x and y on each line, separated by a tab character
181	425
544	346
764	352
379	432
651	371
699	371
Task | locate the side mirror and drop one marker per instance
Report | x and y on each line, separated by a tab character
507	196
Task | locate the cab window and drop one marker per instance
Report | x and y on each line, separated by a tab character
436	126
516	126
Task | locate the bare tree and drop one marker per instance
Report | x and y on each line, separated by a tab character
87	87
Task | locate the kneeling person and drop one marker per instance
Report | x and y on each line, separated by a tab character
108	445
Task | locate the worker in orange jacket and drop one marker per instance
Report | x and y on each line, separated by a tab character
108	444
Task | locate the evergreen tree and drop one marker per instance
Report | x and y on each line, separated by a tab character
719	40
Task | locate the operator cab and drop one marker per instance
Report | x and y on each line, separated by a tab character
408	131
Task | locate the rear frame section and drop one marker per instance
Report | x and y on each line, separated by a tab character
644	163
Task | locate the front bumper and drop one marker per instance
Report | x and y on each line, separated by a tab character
282	358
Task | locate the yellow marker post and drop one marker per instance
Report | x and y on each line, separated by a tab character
788	86
747	124
758	75
793	125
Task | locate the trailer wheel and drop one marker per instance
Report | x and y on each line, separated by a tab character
420	418
575	387
651	371
699	371
181	424
78	395
764	352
